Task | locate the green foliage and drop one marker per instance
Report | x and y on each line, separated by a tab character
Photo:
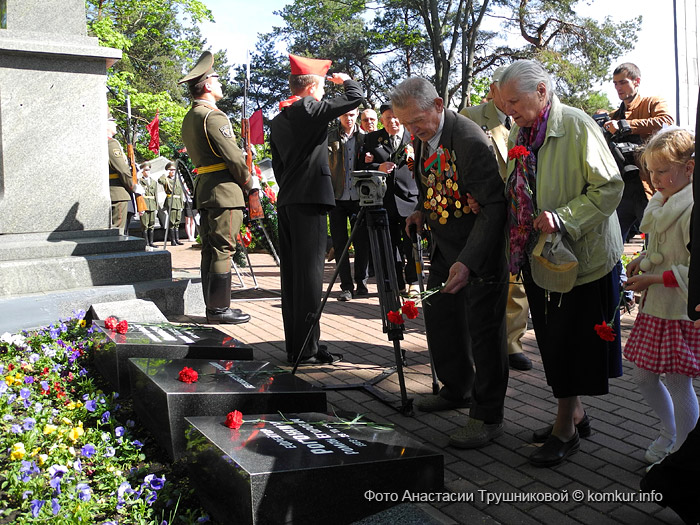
159	39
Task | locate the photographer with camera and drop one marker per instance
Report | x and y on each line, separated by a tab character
637	119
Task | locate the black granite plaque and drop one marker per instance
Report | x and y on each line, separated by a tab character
162	401
164	340
304	468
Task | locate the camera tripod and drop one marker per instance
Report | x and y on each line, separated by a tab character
377	222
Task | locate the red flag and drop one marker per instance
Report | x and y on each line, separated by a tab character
152	127
257	136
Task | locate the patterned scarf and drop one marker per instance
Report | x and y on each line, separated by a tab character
520	189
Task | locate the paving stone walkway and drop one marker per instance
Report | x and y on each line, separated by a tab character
598	485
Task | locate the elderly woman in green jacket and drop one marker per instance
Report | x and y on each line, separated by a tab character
563	179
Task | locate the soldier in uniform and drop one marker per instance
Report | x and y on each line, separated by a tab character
223	175
174	201
121	185
299	143
148	216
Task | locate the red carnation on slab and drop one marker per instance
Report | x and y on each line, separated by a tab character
188	375
234	420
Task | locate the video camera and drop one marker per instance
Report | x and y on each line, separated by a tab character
623	145
371	187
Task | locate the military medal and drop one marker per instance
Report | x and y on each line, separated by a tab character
442	190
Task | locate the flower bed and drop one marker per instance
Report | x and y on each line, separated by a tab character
70	449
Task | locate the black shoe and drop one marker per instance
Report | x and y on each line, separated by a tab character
583	428
322	357
554	451
226	316
519	361
177	237
360	291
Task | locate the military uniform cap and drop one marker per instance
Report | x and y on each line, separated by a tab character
384	107
201	70
309	66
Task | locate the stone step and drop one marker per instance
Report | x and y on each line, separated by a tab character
172	296
18	277
19	247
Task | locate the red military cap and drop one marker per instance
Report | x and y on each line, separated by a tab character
309	66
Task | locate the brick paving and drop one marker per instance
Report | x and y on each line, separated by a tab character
609	462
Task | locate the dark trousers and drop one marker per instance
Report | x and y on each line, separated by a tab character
339	216
631	207
403	251
467	330
302	234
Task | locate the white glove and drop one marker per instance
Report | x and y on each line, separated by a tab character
253	183
138	189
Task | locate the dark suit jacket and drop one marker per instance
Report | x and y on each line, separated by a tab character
402	192
694	272
298	139
476	240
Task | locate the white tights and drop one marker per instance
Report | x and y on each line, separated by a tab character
675	403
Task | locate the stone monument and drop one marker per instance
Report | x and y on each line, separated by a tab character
55	233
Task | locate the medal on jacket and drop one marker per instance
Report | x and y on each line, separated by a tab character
443	198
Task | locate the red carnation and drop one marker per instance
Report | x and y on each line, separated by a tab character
111	323
605	331
122	327
410	310
395	317
518	151
234	420
188	375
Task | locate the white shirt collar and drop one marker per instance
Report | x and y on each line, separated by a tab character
435	141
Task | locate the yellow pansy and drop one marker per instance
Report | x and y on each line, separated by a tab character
75	433
66	421
18	451
82	323
49	429
42	459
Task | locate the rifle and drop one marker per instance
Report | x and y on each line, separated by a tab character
255	210
140	201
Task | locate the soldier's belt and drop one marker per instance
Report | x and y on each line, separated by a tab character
114	175
213	167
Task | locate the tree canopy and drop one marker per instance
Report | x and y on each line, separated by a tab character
455	43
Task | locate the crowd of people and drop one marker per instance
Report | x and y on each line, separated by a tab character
528	202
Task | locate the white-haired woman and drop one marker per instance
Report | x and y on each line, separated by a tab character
565	180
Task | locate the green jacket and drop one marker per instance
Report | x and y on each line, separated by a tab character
578	179
120	181
150	192
177	194
209	138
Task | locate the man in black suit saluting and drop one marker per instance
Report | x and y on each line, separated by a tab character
465	324
299	142
390	150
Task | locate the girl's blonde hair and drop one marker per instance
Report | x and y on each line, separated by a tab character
674	145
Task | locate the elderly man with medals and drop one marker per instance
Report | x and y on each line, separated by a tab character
222	178
465	324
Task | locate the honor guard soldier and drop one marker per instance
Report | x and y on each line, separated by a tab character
121	185
174	201
222	177
150	191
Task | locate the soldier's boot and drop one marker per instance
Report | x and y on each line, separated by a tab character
149	238
172	238
218	299
177	237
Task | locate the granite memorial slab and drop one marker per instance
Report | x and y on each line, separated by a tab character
162	400
161	340
304	468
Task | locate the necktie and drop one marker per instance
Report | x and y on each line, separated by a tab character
394	142
508	124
